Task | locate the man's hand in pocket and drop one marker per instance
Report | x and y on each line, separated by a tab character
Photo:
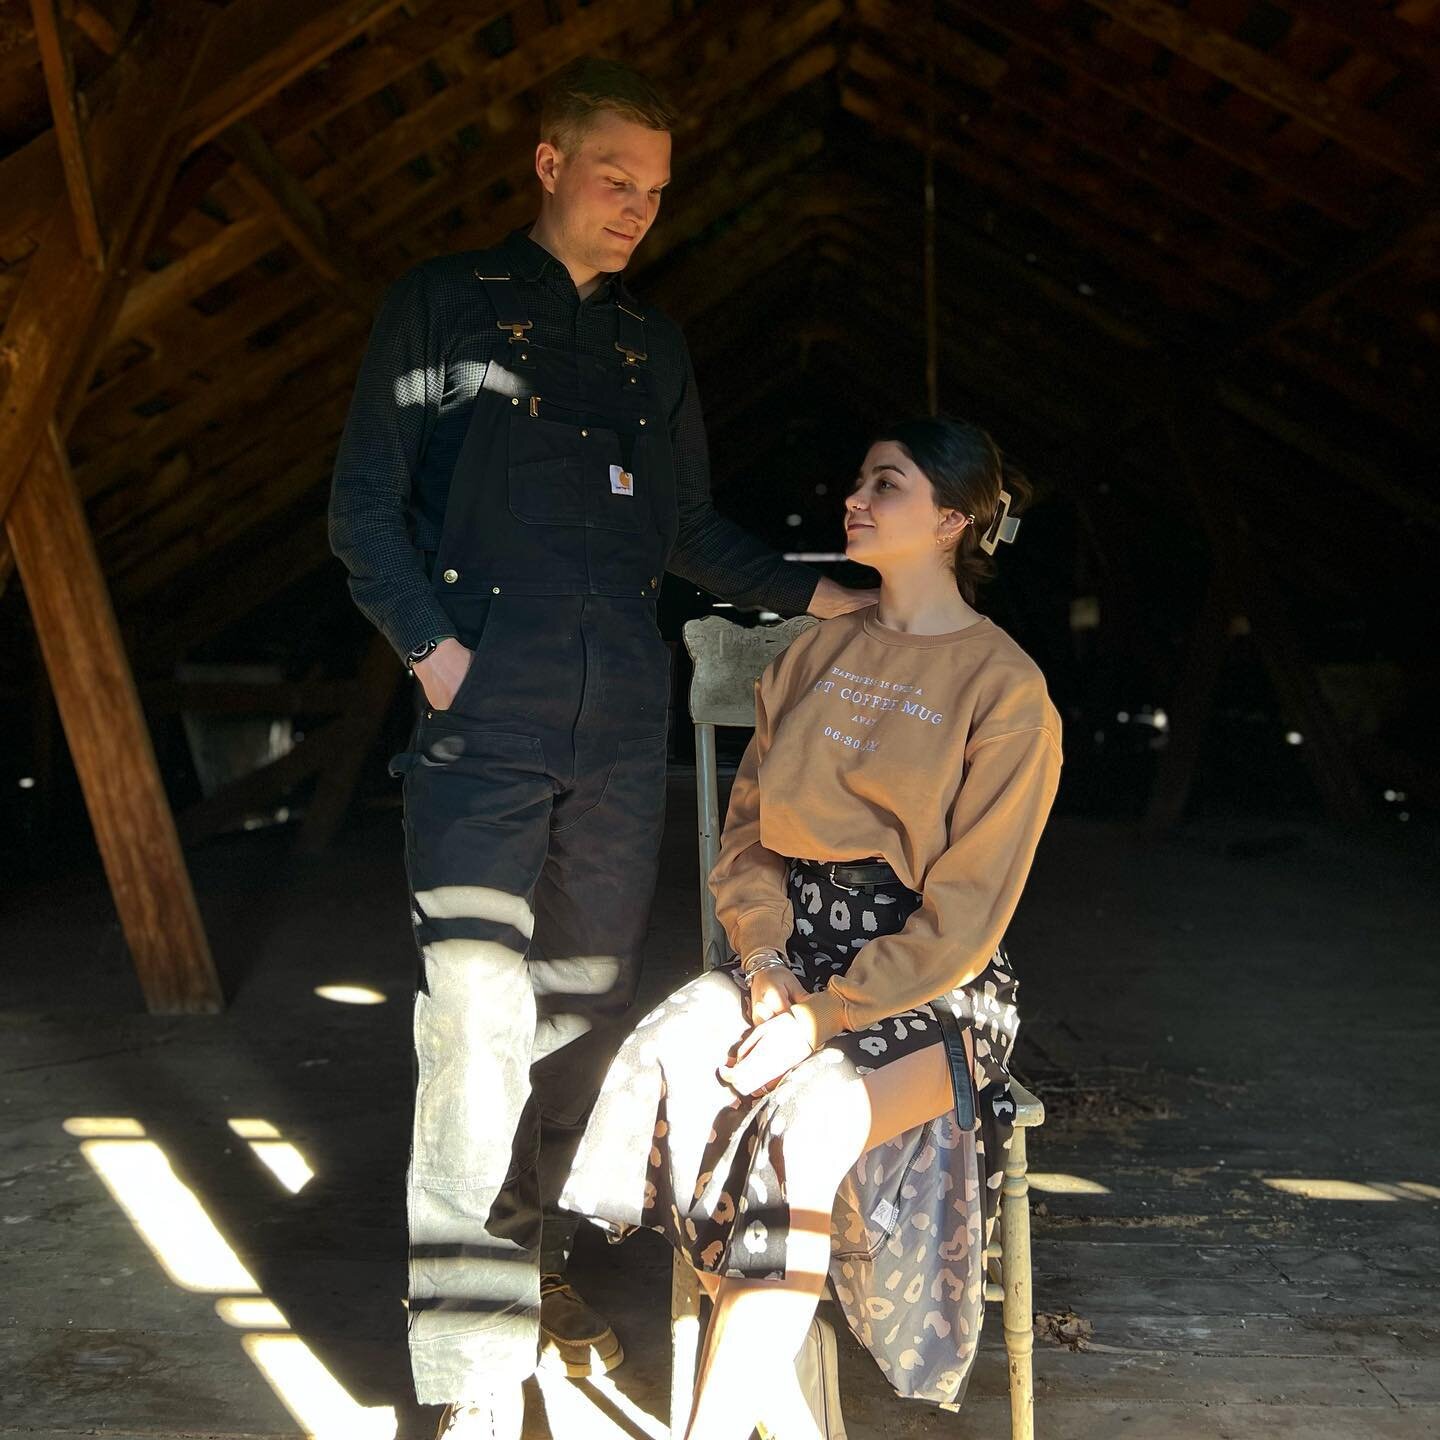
441	672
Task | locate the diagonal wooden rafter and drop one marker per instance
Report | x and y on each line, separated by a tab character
1216	258
1308	179
1402	232
1145	267
1013	85
65	306
1311	102
69	132
259	46
300	220
106	25
1385	34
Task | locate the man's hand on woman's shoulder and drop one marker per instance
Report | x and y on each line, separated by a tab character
832	599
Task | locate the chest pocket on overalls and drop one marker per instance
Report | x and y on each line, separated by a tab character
562	473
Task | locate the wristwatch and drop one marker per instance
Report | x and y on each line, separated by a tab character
419	653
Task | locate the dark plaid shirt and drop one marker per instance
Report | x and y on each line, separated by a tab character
423	367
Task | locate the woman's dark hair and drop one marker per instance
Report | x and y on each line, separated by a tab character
966	469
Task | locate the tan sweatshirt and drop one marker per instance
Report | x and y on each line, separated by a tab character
940	753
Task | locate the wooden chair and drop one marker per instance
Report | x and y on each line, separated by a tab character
728	659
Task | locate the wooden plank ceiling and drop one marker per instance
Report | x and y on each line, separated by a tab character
1134	196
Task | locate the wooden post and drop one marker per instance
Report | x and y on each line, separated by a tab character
359	727
109	742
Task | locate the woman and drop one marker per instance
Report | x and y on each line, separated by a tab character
834	1101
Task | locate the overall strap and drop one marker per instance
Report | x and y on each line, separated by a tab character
510	313
630	334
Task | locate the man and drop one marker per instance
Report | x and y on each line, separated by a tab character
523	459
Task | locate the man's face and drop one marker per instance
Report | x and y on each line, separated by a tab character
604	196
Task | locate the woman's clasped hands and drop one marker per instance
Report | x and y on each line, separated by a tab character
778	1042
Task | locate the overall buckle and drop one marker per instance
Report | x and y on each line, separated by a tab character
632	336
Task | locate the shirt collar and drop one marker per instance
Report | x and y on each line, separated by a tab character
529	261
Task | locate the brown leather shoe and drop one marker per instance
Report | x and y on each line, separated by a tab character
574	1340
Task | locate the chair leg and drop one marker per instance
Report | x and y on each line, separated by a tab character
1018	1309
684	1342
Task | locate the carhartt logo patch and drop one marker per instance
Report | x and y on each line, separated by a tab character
622	482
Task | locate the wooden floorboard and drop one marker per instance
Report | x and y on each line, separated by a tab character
1198	1025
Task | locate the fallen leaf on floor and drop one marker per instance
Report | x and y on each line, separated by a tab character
1064	1328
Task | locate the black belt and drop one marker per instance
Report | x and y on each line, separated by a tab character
854	874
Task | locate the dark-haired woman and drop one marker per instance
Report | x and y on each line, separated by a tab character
835	1100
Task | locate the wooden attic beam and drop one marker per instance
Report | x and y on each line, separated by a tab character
1214	257
1016	87
1149	269
106	25
433	28
1310	179
259	46
59	69
50	342
300	220
1311	102
65	307
1402	231
1384	34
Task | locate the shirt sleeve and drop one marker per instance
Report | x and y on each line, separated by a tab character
712	551
748	881
969	893
392	412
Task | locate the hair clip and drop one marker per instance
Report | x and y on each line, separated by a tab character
1003	527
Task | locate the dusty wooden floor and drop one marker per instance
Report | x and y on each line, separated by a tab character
1205	1018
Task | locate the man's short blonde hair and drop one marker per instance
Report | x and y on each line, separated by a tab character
589	85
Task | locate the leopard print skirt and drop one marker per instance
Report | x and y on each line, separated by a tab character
671	1148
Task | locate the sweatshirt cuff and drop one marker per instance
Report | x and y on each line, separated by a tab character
761	930
821	1016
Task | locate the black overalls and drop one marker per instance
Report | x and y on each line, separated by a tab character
533	811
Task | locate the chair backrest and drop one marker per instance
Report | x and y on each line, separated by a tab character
728	659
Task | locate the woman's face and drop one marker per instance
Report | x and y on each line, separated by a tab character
891	514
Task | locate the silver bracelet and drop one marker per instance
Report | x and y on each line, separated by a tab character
762	960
